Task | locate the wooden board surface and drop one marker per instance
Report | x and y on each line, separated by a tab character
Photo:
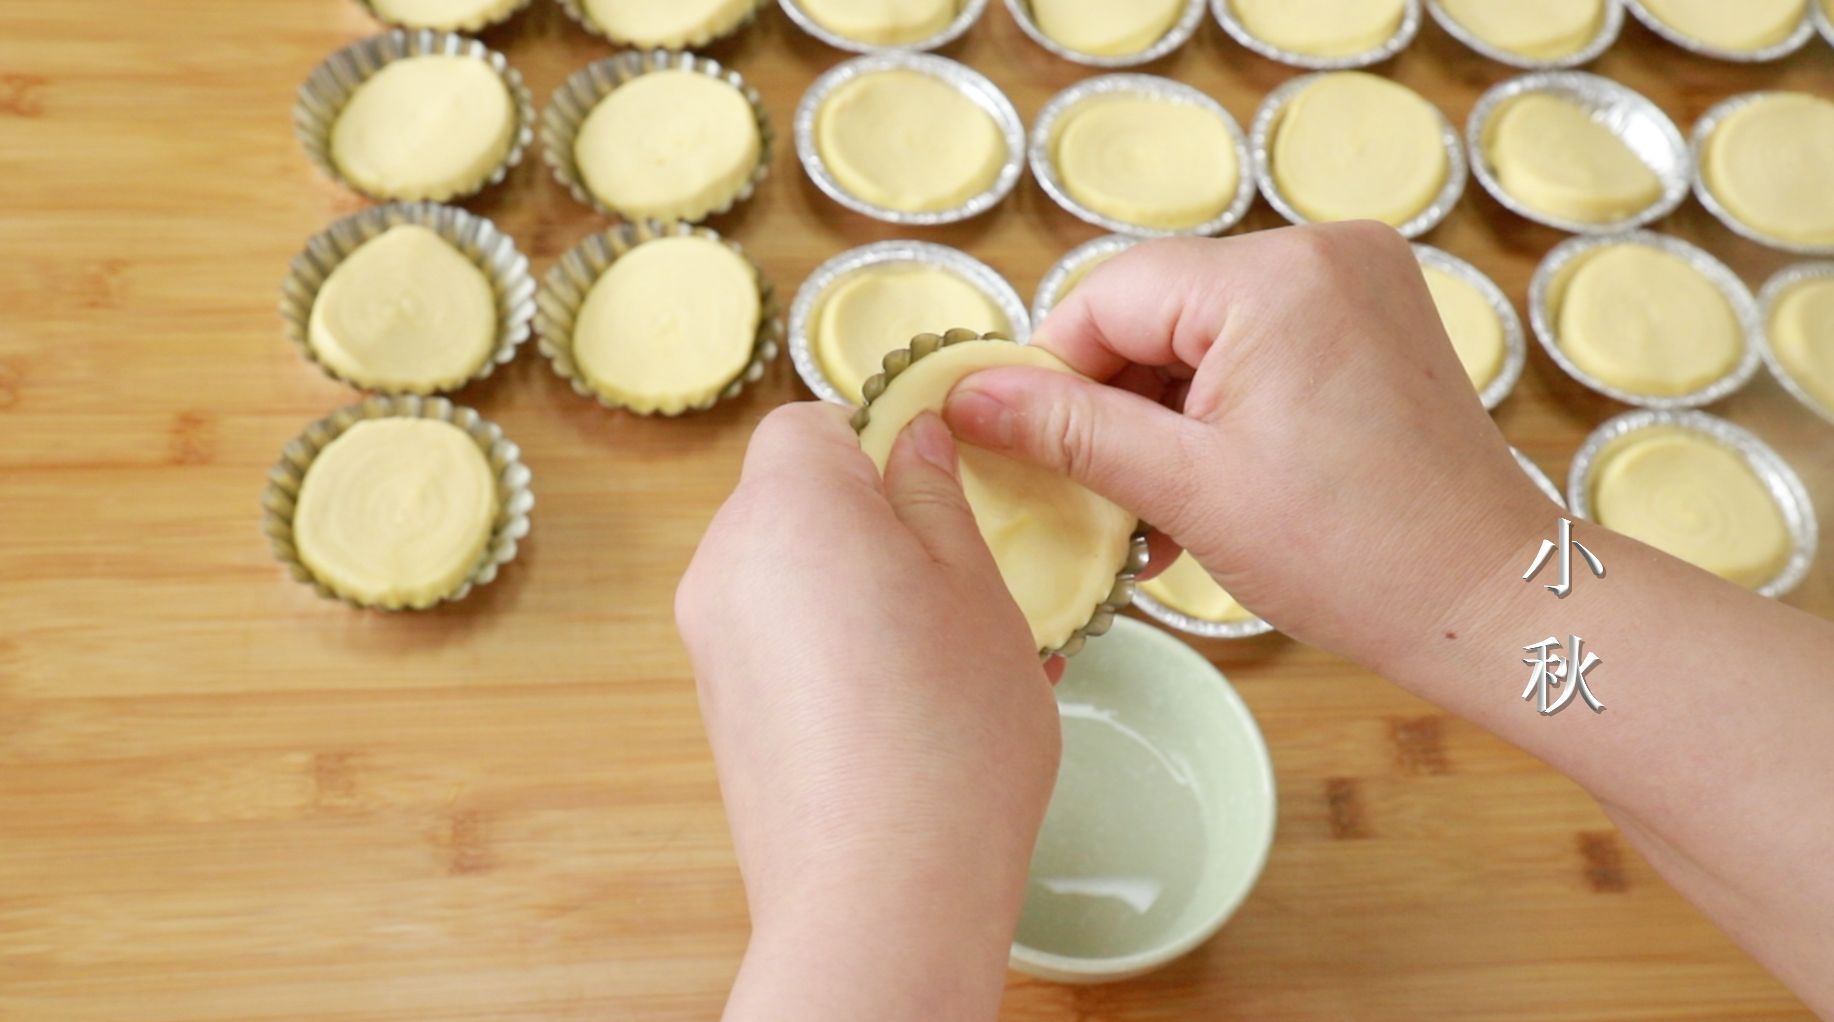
221	798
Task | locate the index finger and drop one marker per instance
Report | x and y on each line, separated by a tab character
1161	303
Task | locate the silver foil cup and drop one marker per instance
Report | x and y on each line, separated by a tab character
1043	156
324	93
576	10
1515	341
1403	35
807	304
1776	51
967	13
1542	480
1639	123
1768	300
1609	26
494	252
1702	138
470	26
1784	484
969	82
1102	616
1178	620
1545	293
514	497
1051	289
573	275
1267	126
1175	37
574	101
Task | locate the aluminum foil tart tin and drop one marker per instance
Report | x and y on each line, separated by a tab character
514	497
472	25
1175	37
1078	259
1543	316
585	88
809	297
1044	161
1102	617
1515	341
1774	290
494	252
1541	479
573	275
1775	51
576	10
967	13
1267	122
1246	628
1609	27
1404	35
1703	135
1784	484
328	88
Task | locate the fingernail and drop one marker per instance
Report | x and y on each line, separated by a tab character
982	417
933	442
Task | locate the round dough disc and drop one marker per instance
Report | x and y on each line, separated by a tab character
1553	156
1771	164
669	145
1537	29
1321	28
1105	28
1353	146
1188	589
1148	161
882	22
1743	25
908	141
446	15
1645	321
1802	337
671	24
874	311
425	127
1471	323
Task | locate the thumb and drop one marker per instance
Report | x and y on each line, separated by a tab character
923	483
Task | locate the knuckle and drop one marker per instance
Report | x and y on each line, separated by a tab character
1070	433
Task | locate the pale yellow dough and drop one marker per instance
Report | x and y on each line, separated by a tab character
667	23
882	22
1686	494
427	127
1148	161
1538	29
908	141
406	312
1321	28
448	15
395	512
1739	25
1354	146
669	145
1645	321
668	325
1188	589
1058	546
1771	164
1106	28
1471	323
1552	156
1802	337
872	312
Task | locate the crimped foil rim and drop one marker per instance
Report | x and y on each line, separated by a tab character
1593	92
1047	297
1273	108
978	88
1772	293
1122	593
1744	307
1702	136
575	99
1610	26
1403	37
469	27
965	16
1776	51
515	499
1178	620
1515	338
477	238
571	278
1044	162
584	20
1784	484
808	299
1537	475
325	92
1174	38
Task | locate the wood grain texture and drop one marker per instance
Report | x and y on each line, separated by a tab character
222	799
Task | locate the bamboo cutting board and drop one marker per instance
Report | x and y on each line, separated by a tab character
223	799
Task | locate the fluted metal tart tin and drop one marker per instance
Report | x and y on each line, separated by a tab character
1544	316
494	252
807	304
1392	46
1175	37
1785	486
583	90
1772	294
1044	160
1609	27
514	497
576	10
573	275
1102	617
1702	138
969	82
1267	124
1776	51
1515	341
470	27
1629	115
967	13
324	93
1541	479
1050	289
